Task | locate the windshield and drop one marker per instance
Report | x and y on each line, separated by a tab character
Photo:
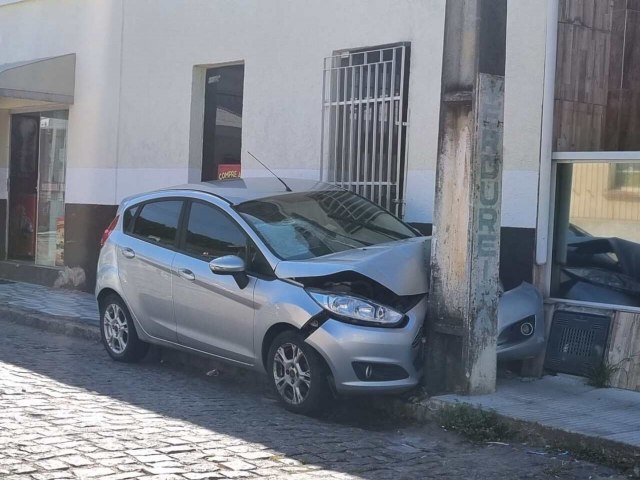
306	225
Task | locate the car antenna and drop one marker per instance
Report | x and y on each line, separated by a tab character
270	171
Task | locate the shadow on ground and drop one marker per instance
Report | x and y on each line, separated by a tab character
351	437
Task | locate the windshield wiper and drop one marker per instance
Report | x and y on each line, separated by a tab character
384	231
331	233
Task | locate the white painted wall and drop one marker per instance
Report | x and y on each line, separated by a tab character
282	44
130	127
524	82
91	29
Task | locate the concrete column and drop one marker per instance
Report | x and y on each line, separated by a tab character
462	319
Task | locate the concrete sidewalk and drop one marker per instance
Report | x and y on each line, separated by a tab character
68	304
561	403
566	403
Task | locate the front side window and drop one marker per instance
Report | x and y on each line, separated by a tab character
311	224
596	256
158	222
211	234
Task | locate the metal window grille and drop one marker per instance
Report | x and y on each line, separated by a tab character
364	123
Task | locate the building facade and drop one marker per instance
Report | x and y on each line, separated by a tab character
102	99
165	94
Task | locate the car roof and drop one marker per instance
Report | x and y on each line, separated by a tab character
239	190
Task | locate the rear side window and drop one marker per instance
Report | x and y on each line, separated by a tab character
211	234
127	221
158	222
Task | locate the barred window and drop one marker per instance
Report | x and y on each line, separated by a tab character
365	120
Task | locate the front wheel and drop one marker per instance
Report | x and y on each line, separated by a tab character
118	332
298	374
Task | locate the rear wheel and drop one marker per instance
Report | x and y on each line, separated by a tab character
298	374
118	332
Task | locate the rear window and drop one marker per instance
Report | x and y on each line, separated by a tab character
158	222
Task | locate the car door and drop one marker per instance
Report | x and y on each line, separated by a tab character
213	313
145	255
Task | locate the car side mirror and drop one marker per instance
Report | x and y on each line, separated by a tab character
230	265
227	265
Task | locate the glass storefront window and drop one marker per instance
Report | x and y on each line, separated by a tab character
37	184
51	185
596	254
51	182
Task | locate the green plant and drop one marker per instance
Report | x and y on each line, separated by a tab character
600	375
475	424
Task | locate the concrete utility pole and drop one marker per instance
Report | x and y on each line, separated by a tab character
461	342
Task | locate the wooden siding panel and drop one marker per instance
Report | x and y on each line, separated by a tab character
624	350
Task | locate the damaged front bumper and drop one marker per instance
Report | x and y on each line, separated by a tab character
371	359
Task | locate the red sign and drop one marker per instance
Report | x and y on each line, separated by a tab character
228	170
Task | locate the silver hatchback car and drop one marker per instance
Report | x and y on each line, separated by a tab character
311	283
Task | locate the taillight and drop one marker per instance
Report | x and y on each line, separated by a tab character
108	231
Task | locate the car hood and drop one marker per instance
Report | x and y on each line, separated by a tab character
401	266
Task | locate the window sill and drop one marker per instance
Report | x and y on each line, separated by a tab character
601	306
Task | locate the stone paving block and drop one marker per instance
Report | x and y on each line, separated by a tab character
256	455
116	461
52	475
235	473
162	470
52	464
238	465
158	457
101	454
76	460
142	452
123	476
177	449
93	472
202	475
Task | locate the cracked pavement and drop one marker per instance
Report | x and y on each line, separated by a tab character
68	411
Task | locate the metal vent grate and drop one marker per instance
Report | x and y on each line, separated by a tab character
577	342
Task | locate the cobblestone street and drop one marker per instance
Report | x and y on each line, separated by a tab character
68	411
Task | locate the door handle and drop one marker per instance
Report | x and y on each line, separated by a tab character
186	274
128	253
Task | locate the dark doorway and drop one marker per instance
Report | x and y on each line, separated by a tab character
23	182
222	137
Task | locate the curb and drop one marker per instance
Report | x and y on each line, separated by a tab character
72	327
63	325
583	446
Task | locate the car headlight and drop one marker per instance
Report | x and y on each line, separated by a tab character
357	310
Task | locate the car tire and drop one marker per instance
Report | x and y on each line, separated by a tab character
118	333
298	374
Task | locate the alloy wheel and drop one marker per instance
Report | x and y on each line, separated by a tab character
116	328
291	373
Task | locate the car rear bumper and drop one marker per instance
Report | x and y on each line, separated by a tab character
393	355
